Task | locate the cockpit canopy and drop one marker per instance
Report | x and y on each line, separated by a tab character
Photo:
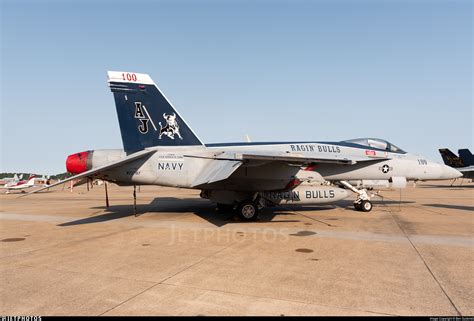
376	143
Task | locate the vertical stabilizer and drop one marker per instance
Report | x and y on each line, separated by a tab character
146	117
466	156
450	159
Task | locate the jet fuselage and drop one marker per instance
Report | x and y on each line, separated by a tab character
170	166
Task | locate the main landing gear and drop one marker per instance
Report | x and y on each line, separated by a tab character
362	203
246	210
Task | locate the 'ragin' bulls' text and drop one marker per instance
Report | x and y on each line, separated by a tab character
314	148
320	194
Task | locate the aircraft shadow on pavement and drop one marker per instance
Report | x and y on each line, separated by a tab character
162	205
171	207
454	207
115	212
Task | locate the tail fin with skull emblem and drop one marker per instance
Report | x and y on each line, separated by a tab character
146	117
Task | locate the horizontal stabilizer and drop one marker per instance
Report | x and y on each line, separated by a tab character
92	171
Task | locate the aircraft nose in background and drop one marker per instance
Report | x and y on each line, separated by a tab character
77	163
450	173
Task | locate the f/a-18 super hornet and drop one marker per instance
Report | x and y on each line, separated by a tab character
161	149
463	163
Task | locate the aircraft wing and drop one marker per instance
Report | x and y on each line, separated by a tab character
217	170
224	164
92	171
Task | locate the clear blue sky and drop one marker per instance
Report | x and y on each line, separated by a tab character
275	70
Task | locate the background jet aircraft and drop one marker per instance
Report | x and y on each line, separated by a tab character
463	163
466	156
11	180
161	149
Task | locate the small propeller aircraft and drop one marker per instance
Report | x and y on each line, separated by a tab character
19	185
159	148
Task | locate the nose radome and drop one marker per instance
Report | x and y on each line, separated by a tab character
77	163
451	173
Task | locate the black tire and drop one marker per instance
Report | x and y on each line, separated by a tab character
366	206
357	206
247	211
224	208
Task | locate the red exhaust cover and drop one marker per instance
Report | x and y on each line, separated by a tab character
77	163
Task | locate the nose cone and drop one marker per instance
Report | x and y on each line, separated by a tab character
77	163
450	173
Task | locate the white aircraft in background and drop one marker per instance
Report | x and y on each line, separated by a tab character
9	180
19	185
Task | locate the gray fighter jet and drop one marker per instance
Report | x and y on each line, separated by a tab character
161	149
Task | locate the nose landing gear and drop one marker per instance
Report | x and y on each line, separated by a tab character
362	203
363	206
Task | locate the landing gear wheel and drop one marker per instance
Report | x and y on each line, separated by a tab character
247	211
366	206
224	208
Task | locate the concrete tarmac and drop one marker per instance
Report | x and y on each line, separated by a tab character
65	253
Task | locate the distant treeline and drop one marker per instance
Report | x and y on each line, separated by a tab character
26	175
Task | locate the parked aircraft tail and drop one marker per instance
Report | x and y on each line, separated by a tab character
31	180
146	117
466	156
451	159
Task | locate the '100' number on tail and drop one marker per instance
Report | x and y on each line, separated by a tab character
129	77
